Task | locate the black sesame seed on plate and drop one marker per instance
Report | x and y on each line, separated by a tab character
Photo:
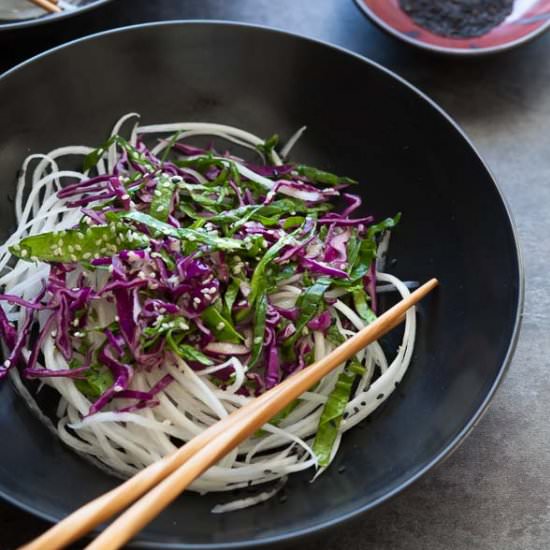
380	396
341	469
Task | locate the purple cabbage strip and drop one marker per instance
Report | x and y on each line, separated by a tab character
122	374
81	186
371	286
321	323
7	330
76	374
46	329
20	301
354	202
273	367
322	268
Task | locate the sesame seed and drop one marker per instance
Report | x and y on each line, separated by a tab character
60	242
117	318
111	268
70	248
75	323
77	247
86	255
80	236
73	258
24	253
196	300
7	363
125	197
75	289
220	326
118	388
257	340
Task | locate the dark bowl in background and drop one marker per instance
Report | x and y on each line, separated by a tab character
87	5
363	121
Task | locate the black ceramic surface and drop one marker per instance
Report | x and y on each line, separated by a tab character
86	5
362	121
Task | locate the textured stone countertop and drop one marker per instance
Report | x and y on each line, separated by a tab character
493	493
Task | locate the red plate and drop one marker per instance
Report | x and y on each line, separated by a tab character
528	19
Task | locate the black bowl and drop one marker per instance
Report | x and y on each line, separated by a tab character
7	24
363	121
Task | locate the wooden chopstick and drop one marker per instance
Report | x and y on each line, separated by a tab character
172	474
48	5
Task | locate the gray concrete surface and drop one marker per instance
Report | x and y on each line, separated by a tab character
493	493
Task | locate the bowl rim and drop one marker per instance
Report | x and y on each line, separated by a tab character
49	18
301	533
455	52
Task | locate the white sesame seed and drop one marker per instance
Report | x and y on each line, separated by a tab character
118	388
7	363
73	258
117	318
257	340
196	300
111	268
220	326
24	253
80	236
125	197
75	289
70	248
75	323
86	255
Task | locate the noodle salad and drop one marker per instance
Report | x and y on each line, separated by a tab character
164	285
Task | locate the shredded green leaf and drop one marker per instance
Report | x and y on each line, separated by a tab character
75	245
98	380
331	418
320	176
222	327
162	198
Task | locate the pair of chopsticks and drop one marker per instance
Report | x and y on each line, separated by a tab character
48	5
168	477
